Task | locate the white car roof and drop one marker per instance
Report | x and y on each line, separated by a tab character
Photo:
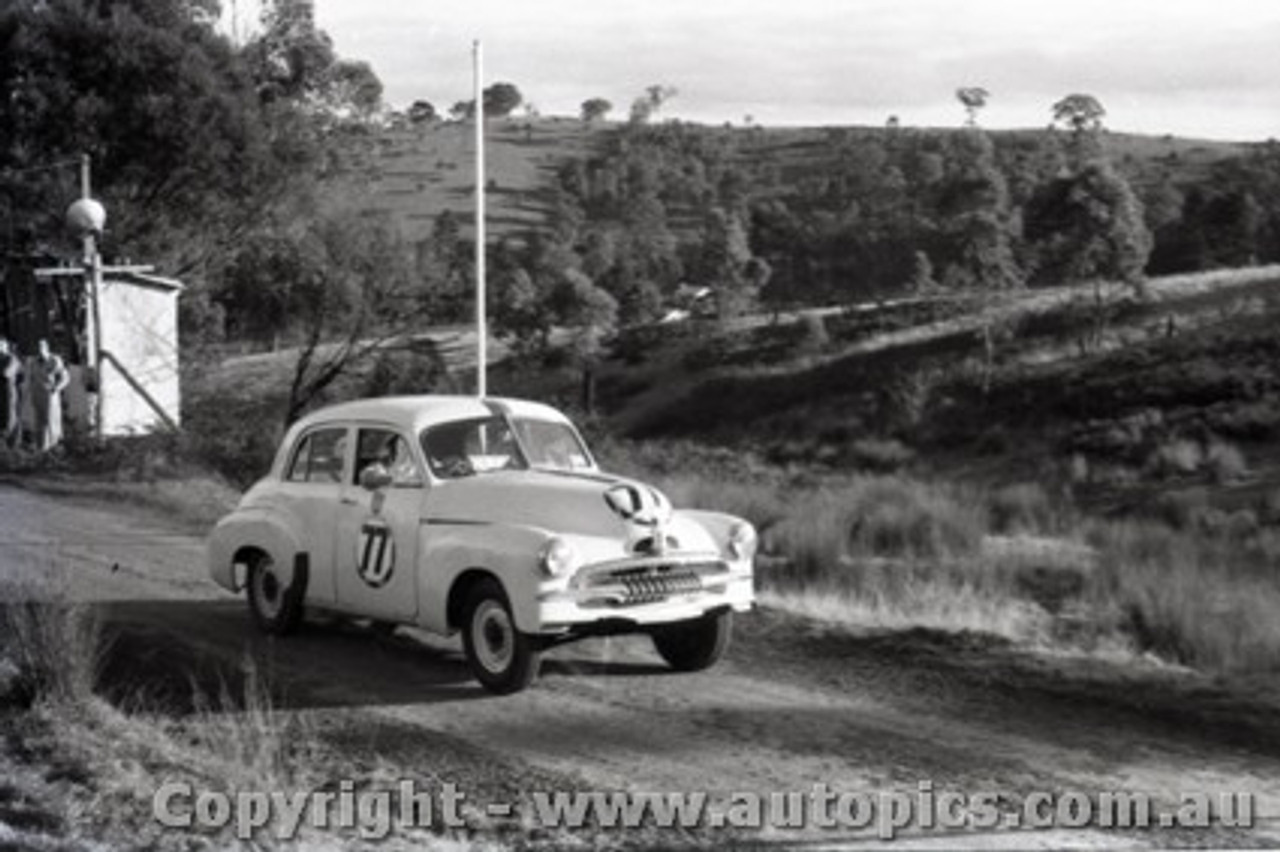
413	413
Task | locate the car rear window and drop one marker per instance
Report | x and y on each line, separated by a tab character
320	457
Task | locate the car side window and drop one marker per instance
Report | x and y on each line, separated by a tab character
391	451
320	457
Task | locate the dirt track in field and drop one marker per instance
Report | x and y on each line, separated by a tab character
796	703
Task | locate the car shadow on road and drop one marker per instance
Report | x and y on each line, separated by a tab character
181	657
185	656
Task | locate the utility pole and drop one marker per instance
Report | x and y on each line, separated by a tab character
93	330
481	317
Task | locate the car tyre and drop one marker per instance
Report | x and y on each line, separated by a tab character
501	657
275	607
696	644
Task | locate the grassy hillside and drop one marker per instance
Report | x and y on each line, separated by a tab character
413	174
1150	389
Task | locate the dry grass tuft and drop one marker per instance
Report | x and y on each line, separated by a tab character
56	647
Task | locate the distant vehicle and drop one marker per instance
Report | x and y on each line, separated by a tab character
485	516
698	302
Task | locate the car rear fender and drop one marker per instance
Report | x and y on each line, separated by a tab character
256	528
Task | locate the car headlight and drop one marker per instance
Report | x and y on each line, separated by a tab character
559	559
742	540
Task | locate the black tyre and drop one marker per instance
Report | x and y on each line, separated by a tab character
275	607
502	658
694	645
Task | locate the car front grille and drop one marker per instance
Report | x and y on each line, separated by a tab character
653	589
650	583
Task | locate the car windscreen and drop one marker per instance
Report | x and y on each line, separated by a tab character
467	447
551	445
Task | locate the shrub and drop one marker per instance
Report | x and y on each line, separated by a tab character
1269	508
1177	458
1187	598
236	437
880	455
53	646
815	338
1225	462
900	518
1182	510
1021	508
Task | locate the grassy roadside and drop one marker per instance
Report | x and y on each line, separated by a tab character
81	763
1194	587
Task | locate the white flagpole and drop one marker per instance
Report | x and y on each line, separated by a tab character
481	320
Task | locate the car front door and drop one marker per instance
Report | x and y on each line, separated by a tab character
375	552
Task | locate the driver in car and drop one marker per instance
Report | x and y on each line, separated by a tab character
448	454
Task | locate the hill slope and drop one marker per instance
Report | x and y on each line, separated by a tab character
415	173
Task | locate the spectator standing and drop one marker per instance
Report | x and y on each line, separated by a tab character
48	378
10	404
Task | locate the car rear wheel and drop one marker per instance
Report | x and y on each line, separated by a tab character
696	644
276	608
502	658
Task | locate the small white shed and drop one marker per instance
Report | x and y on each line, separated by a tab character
139	380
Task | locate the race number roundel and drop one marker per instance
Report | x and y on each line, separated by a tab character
375	553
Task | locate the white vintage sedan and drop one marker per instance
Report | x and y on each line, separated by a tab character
485	516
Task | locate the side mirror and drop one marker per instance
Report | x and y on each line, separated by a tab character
375	477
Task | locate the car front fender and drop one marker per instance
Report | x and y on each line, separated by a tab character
509	553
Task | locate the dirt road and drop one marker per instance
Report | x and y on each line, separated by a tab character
797	703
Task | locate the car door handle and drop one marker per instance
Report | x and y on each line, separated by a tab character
350	501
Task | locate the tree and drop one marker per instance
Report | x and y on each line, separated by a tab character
185	156
521	310
462	110
978	235
647	105
270	283
1079	112
1088	226
973	99
595	109
591	316
922	282
294	60
445	270
979	224
1082	115
725	257
501	99
363	299
422	112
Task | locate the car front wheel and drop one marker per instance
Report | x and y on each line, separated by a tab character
502	658
696	644
275	607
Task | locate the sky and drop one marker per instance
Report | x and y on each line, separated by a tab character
1200	68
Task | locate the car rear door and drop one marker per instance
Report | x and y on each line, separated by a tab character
311	486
